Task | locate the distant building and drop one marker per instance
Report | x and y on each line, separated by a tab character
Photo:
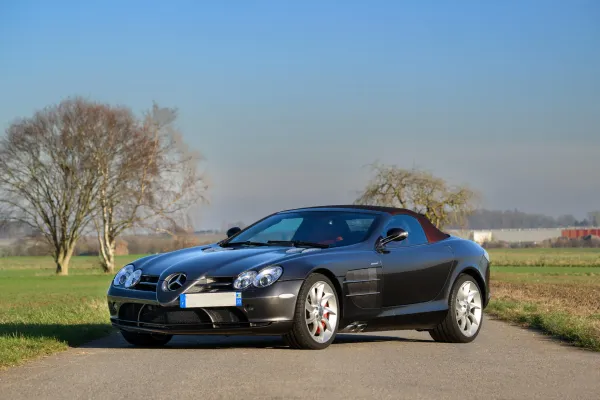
575	233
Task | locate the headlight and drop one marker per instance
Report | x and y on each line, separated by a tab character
244	280
133	279
123	275
267	276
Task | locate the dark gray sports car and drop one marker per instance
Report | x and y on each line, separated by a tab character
307	274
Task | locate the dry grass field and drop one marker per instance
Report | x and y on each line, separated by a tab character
556	290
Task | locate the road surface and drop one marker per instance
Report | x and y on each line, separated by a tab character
504	362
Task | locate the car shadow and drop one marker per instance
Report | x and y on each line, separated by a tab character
208	342
104	336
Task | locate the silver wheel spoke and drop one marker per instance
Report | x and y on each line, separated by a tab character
312	295
467	287
314	328
327	324
325	298
467	324
320	289
475	319
311	319
309	307
329	311
470	296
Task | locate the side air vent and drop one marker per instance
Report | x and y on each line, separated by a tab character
363	287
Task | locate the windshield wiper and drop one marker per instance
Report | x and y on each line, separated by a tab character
246	243
299	243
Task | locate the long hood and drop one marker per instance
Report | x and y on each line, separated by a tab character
215	261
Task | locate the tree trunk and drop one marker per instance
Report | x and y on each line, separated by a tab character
62	259
107	253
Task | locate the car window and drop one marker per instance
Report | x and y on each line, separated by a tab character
334	228
416	234
282	230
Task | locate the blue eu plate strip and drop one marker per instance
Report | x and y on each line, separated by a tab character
238	299
182	301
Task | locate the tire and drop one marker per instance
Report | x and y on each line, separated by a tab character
319	333
458	327
145	339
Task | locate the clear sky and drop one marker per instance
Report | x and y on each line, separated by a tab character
288	101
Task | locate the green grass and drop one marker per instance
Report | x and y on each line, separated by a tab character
41	313
540	257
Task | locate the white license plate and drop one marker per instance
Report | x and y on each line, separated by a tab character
221	299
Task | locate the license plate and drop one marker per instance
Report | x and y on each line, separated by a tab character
221	299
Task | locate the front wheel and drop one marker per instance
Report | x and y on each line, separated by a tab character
465	314
316	316
145	339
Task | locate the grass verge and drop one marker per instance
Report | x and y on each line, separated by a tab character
566	307
577	330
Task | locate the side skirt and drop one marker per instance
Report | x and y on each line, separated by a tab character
420	316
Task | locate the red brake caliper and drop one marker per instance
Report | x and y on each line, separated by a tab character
325	315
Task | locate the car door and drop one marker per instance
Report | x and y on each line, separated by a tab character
414	270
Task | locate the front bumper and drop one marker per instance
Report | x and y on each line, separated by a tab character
264	311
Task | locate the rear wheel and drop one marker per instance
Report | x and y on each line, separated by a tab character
146	339
465	314
317	315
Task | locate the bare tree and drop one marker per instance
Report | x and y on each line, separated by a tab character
419	191
48	178
148	178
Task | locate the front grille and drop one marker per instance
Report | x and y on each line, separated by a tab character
147	283
207	318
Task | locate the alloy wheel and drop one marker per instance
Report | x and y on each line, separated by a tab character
321	311
468	308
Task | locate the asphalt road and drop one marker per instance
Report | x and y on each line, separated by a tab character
504	362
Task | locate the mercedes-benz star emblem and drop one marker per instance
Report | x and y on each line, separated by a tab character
176	282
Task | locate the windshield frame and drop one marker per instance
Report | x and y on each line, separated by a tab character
377	219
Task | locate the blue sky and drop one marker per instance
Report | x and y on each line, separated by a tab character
289	102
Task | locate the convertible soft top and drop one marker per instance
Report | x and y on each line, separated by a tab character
431	231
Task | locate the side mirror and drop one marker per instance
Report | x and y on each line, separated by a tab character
233	231
394	235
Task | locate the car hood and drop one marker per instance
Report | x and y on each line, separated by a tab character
216	261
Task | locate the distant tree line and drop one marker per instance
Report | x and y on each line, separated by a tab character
514	219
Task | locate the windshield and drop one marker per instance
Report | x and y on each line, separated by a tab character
324	228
